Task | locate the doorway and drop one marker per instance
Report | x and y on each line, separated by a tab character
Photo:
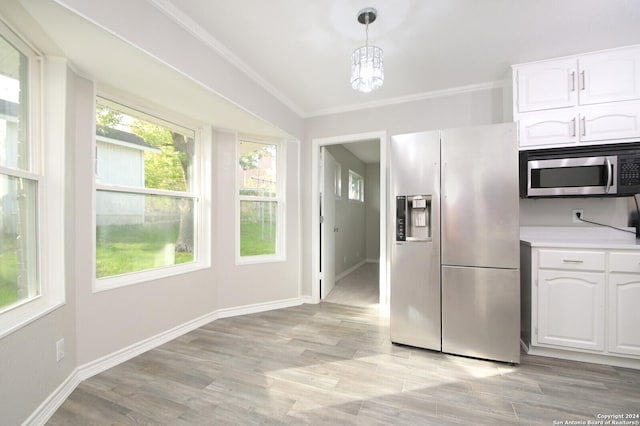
351	263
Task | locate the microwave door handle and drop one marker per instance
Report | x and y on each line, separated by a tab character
607	164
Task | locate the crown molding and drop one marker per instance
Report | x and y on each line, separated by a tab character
411	98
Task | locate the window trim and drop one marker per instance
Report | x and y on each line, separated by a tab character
200	192
280	255
46	135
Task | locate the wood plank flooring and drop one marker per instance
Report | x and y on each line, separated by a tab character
333	364
359	288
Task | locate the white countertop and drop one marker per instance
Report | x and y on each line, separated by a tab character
578	237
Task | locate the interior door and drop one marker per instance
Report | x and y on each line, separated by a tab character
328	179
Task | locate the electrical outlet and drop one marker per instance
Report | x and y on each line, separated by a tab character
576	214
59	350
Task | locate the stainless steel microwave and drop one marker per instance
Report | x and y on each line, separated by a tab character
590	171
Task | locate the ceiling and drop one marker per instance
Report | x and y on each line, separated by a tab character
299	50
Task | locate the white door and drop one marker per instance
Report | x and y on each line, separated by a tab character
329	179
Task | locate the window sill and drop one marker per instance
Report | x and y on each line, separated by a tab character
118	281
252	260
23	315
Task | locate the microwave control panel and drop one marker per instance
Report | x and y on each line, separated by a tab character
629	174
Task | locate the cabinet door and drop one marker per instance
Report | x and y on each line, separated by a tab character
609	76
620	120
624	313
571	309
544	85
548	128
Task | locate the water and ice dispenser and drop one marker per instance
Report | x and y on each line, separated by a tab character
413	218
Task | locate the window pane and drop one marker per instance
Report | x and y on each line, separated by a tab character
356	186
258	227
14	107
136	232
18	243
257	169
135	152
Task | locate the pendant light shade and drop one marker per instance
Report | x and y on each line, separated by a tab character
367	65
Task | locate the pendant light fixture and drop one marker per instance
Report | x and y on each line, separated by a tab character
367	68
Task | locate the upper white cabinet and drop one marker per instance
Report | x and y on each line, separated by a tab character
594	78
583	99
609	76
545	85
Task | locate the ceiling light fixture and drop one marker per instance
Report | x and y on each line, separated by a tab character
367	68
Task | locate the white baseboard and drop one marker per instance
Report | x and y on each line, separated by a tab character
44	412
350	270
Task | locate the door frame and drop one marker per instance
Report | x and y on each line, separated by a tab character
315	209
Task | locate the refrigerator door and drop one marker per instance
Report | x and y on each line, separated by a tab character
481	313
480	204
415	262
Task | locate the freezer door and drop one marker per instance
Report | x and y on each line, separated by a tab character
480	204
415	295
481	313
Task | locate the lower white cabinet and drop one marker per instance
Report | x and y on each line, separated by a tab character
581	300
571	308
624	313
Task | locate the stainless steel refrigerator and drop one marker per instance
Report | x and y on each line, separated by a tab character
455	241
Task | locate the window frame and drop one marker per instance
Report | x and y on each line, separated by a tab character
200	191
280	200
355	175
46	167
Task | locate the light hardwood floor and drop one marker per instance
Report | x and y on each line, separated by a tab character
359	288
333	364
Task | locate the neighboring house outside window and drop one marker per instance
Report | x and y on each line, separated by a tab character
356	186
148	197
260	201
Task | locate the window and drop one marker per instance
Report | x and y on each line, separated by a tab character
356	186
260	200
29	287
148	201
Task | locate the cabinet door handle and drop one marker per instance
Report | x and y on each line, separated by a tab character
582	85
583	126
573	125
572	261
572	81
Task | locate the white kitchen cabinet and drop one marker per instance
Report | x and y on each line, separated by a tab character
624	303
609	122
582	99
571	298
624	313
581	302
571	309
592	78
548	128
545	85
604	123
609	76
